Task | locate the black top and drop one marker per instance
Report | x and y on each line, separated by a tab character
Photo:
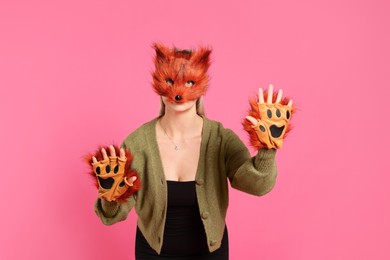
184	234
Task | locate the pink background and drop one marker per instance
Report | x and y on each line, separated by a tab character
76	74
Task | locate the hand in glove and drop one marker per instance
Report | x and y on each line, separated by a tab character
114	178
268	121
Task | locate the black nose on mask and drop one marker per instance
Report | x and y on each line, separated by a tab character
178	98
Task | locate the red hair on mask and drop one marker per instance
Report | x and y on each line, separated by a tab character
180	75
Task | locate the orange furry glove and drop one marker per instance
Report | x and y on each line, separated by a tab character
112	175
268	122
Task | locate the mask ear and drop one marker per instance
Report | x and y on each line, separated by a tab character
162	53
202	57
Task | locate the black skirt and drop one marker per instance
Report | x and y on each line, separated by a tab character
184	235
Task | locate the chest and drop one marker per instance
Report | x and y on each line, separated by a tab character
180	164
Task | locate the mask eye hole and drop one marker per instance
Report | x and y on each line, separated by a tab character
169	81
190	83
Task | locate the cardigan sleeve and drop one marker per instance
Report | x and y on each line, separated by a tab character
113	212
254	175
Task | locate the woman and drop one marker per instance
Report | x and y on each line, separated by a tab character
185	161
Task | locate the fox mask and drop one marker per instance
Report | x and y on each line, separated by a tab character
181	75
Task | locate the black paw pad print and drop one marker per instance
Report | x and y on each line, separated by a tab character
276	131
107	182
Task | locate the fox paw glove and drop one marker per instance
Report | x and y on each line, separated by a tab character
273	123
111	175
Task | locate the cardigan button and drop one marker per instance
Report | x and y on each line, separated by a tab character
199	181
213	242
205	215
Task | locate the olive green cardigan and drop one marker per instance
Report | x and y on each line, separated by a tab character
223	157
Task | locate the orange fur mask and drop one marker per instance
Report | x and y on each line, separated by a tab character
181	75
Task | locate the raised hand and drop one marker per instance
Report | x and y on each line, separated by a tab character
114	178
269	119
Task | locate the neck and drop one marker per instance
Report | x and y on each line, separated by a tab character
180	125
